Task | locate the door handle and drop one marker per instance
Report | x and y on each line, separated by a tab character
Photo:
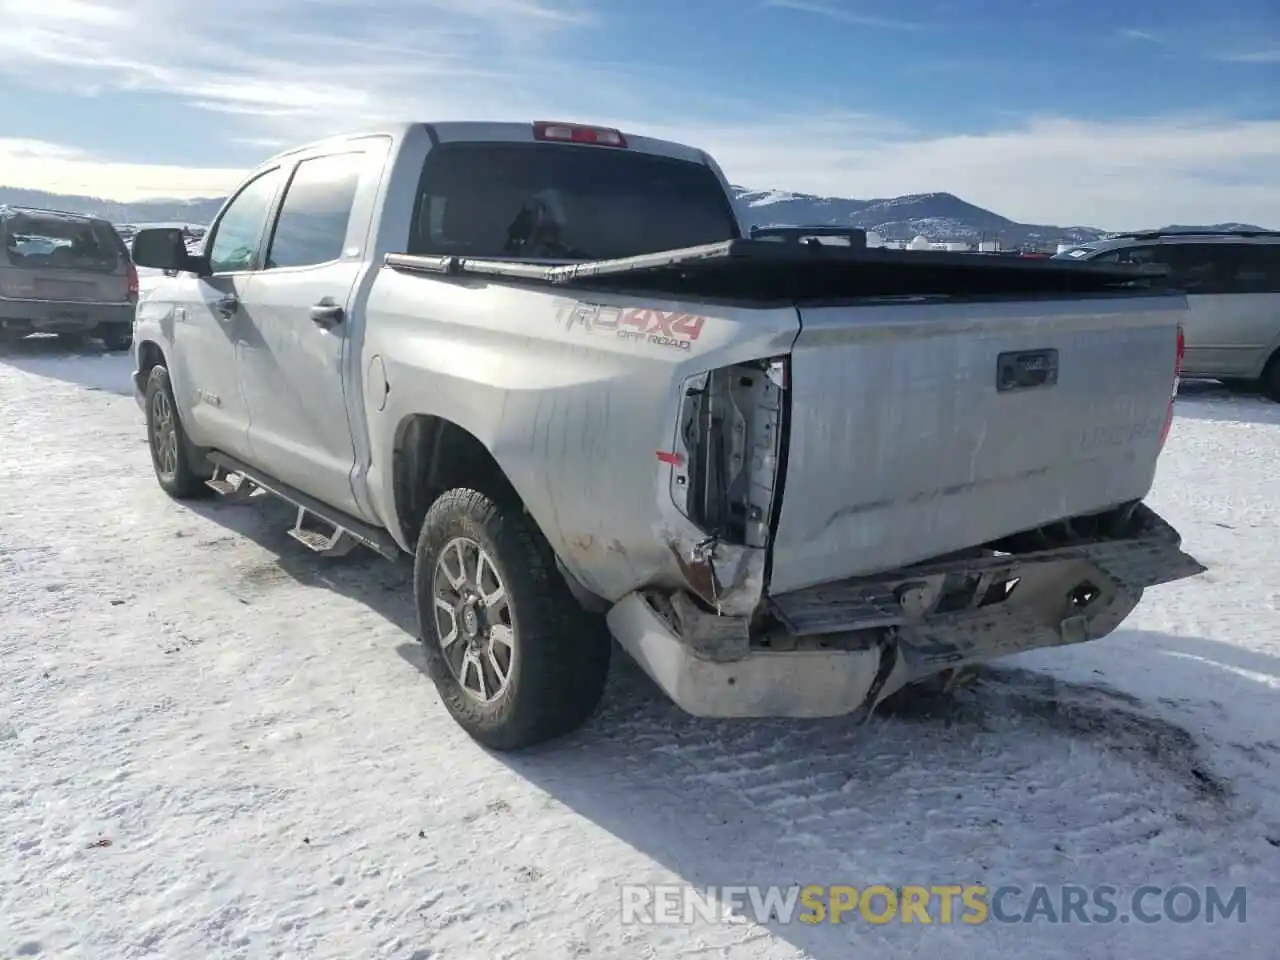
227	307
327	315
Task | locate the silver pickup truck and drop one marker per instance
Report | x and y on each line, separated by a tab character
789	478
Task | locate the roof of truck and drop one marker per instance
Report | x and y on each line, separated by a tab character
494	130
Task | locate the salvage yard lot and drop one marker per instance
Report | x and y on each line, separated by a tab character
213	744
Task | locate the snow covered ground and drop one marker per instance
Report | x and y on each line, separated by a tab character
213	745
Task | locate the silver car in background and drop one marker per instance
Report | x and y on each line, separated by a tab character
65	273
1232	283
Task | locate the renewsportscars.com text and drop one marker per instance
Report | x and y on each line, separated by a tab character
968	904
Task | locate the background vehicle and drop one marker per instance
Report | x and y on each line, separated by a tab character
542	359
65	273
1232	282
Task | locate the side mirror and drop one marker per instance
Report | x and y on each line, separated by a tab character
162	248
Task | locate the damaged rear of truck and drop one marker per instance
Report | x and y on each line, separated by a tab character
802	478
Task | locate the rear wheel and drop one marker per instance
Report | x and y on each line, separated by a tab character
116	337
1242	386
1270	382
515	658
171	451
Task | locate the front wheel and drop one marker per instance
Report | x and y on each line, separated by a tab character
171	451
515	658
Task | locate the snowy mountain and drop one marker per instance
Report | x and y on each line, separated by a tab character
937	216
196	211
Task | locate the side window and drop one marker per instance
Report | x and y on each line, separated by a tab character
1253	268
312	226
1130	255
1204	268
238	234
1270	253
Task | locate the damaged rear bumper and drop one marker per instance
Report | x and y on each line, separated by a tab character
812	682
843	647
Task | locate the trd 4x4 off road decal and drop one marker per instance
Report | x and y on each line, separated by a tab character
657	327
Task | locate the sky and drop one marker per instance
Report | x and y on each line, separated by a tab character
1048	111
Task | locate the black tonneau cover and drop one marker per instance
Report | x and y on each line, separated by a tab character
768	270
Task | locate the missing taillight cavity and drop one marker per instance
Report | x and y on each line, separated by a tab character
730	436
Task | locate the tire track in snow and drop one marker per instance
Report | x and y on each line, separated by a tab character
827	785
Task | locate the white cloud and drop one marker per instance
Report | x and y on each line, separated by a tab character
526	59
268	58
1145	36
1270	54
1046	170
843	13
60	169
1229	41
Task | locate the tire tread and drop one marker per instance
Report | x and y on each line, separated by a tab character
562	651
187	483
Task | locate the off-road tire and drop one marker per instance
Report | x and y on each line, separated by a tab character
561	651
116	337
186	482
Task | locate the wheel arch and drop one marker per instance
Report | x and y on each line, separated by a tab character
150	355
432	454
1270	376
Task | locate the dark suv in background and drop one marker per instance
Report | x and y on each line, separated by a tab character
65	273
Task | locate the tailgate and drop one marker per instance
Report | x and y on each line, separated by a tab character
921	429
